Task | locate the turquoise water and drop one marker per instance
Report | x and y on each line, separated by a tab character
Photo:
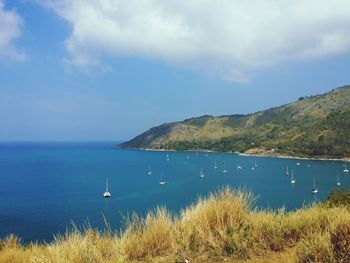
46	186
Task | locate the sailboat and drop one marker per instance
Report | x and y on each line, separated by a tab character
149	170
239	167
167	157
107	194
314	189
162	181
253	166
224	170
201	174
346	170
338	180
298	163
287	172
292	180
215	165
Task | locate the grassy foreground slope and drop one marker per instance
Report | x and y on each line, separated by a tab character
315	126
221	228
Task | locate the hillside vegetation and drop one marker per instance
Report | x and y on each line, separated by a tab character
221	228
315	126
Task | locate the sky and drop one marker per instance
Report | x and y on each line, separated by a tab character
111	69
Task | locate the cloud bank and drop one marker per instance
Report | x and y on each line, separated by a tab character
227	37
10	29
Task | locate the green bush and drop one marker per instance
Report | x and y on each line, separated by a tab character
339	198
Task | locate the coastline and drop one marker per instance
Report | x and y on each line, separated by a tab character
281	156
296	157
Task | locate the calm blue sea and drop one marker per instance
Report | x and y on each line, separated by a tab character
46	186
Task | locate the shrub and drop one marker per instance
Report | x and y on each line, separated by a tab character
338	198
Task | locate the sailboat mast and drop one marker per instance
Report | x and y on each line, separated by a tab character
107	184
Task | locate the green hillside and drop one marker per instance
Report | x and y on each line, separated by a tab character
315	126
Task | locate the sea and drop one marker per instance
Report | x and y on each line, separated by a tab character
48	188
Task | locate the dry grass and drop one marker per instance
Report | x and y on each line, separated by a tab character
221	227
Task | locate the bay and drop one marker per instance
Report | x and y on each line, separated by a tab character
45	186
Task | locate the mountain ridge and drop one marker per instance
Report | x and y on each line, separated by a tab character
312	126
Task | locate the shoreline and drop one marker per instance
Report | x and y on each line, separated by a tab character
345	159
296	157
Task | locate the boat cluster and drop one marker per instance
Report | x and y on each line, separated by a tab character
201	173
315	189
254	165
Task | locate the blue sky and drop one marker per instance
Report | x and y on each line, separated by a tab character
108	70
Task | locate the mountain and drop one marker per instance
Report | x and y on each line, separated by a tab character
314	126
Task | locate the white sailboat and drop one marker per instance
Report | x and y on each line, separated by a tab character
162	181
239	167
253	166
346	170
201	174
287	171
167	157
215	165
298	163
338	180
107	194
149	170
224	170
314	189
292	180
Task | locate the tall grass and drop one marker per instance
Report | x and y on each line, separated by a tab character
222	226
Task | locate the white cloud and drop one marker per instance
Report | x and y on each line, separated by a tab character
10	29
230	36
